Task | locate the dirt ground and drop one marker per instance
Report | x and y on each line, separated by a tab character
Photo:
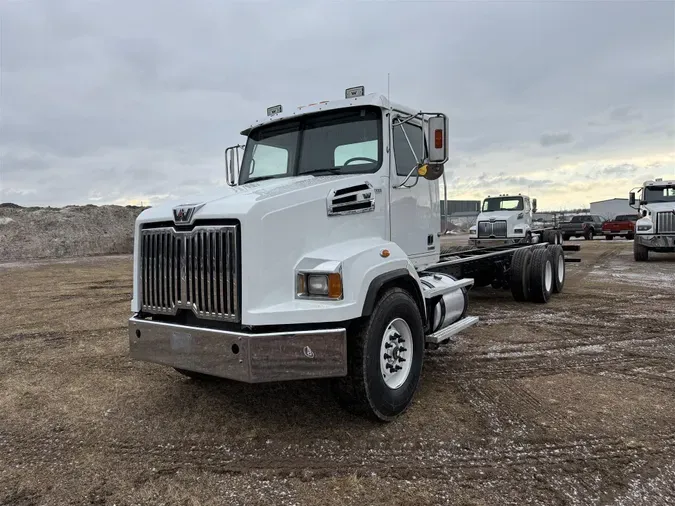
572	402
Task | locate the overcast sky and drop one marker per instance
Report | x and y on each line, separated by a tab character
122	102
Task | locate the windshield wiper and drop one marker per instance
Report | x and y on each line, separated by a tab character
259	178
330	170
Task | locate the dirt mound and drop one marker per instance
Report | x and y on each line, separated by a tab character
71	231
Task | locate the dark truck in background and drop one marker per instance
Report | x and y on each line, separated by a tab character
621	226
582	225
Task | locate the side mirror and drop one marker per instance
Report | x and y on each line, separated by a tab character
232	163
534	205
631	199
437	137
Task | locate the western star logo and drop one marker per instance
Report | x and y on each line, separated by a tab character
184	214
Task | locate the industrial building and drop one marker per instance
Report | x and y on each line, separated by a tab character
461	208
610	208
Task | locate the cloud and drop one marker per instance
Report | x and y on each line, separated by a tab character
556	138
117	100
625	113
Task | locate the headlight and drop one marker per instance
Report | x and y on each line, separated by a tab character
517	230
328	285
645	227
472	231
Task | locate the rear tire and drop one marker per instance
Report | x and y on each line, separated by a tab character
640	252
365	389
550	236
520	274
559	272
541	275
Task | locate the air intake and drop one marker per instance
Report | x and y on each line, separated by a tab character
355	199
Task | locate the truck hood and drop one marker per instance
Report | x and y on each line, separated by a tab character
659	207
236	201
499	216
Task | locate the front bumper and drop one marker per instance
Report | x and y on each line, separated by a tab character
486	243
251	358
657	242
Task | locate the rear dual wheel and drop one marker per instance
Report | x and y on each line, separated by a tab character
537	273
552	237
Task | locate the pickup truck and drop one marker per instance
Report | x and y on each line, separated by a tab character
582	225
621	226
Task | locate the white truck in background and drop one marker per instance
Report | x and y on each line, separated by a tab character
655	227
507	219
322	259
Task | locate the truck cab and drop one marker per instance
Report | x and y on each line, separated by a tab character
504	219
311	262
655	227
321	258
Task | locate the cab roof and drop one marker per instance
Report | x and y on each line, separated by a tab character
373	99
659	182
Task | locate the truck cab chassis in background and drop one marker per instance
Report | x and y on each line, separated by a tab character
322	259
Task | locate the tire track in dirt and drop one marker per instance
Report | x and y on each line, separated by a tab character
424	460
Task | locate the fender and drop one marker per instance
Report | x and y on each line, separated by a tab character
381	280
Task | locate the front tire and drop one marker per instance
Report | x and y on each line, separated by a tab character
640	252
385	355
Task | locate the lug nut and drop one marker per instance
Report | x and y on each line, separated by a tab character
401	340
387	356
402	349
401	359
388	345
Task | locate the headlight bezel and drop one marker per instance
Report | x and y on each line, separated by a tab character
334	288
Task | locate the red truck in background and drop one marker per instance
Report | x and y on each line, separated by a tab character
621	226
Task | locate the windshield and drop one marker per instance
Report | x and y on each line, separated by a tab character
348	141
503	204
652	194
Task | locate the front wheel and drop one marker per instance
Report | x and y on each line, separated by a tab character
640	252
385	355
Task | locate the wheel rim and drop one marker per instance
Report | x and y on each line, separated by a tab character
548	275
561	269
396	353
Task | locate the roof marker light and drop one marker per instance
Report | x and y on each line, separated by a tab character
357	91
277	109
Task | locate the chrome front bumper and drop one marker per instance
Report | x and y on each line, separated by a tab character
251	358
493	242
656	242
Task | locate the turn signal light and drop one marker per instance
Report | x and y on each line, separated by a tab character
438	138
334	285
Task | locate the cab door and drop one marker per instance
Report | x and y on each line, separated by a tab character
415	204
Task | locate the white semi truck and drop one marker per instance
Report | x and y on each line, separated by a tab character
322	259
655	227
507	219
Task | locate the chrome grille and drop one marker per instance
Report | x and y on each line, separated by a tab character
665	222
195	270
491	229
